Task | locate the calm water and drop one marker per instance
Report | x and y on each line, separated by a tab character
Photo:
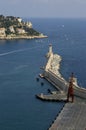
20	62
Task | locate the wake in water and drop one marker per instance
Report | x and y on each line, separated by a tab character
20	50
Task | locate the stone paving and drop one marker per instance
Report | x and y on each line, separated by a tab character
72	117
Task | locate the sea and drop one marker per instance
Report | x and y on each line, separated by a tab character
20	63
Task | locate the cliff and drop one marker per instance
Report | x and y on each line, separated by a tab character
15	28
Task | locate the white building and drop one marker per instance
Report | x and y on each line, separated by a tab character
20	31
29	24
11	28
19	20
2	31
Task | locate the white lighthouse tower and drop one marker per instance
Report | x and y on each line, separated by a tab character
50	52
49	58
50	49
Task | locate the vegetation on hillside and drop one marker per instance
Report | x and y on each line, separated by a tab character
15	25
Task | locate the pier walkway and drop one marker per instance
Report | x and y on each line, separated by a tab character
72	117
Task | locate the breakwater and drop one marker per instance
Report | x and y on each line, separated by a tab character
52	74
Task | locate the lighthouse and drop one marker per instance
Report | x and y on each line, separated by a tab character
50	49
49	57
50	52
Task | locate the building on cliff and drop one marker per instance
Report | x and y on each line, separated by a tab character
2	32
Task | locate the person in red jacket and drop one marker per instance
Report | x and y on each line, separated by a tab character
70	92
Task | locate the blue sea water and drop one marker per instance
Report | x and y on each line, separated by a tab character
20	62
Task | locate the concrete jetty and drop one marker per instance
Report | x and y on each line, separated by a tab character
52	97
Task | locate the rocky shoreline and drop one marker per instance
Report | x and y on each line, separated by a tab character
22	37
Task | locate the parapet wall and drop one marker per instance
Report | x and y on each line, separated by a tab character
60	83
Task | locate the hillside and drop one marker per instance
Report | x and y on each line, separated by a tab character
15	28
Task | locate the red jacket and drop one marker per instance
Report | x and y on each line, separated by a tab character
70	90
